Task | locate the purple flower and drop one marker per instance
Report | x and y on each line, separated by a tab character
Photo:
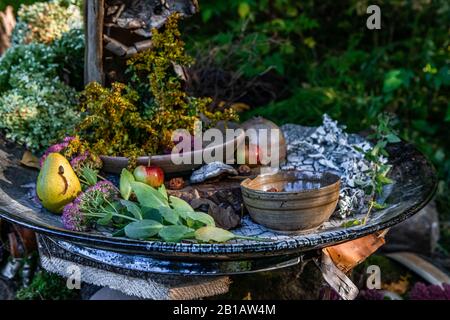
370	294
56	148
68	139
106	187
421	291
78	160
72	217
86	160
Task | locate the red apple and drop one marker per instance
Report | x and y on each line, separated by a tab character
255	151
151	175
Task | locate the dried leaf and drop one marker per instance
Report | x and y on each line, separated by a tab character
30	160
225	218
349	254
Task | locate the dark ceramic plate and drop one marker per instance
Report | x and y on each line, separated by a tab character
415	183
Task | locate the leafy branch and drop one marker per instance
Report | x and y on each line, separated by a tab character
383	134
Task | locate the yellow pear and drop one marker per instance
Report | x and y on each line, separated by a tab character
57	183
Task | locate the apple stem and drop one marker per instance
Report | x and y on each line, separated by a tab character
149	159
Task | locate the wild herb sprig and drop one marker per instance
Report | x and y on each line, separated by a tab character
383	135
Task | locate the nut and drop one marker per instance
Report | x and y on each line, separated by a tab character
244	170
176	183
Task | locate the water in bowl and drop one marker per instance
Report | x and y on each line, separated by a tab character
301	185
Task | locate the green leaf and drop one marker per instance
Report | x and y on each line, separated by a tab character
126	178
119	233
151	214
90	175
133	208
392	81
378	206
447	115
106	219
206	14
163	191
180	205
392	138
191	217
351	223
175	233
244	10
384	180
143	229
170	216
148	196
207	234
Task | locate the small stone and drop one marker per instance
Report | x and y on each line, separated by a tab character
212	170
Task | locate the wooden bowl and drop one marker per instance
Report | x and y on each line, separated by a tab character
116	164
303	202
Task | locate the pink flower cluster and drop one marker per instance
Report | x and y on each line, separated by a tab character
56	148
421	291
73	217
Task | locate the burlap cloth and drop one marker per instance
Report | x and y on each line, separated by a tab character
145	285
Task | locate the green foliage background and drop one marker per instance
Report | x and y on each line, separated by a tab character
14	4
332	63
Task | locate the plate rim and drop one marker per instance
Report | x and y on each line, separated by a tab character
234	250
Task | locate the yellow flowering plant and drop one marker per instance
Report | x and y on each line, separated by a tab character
139	118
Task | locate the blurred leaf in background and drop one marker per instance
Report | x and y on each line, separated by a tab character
327	61
15	4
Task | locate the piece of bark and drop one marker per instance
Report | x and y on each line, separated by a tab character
349	254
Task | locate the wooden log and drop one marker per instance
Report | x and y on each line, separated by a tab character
94	16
